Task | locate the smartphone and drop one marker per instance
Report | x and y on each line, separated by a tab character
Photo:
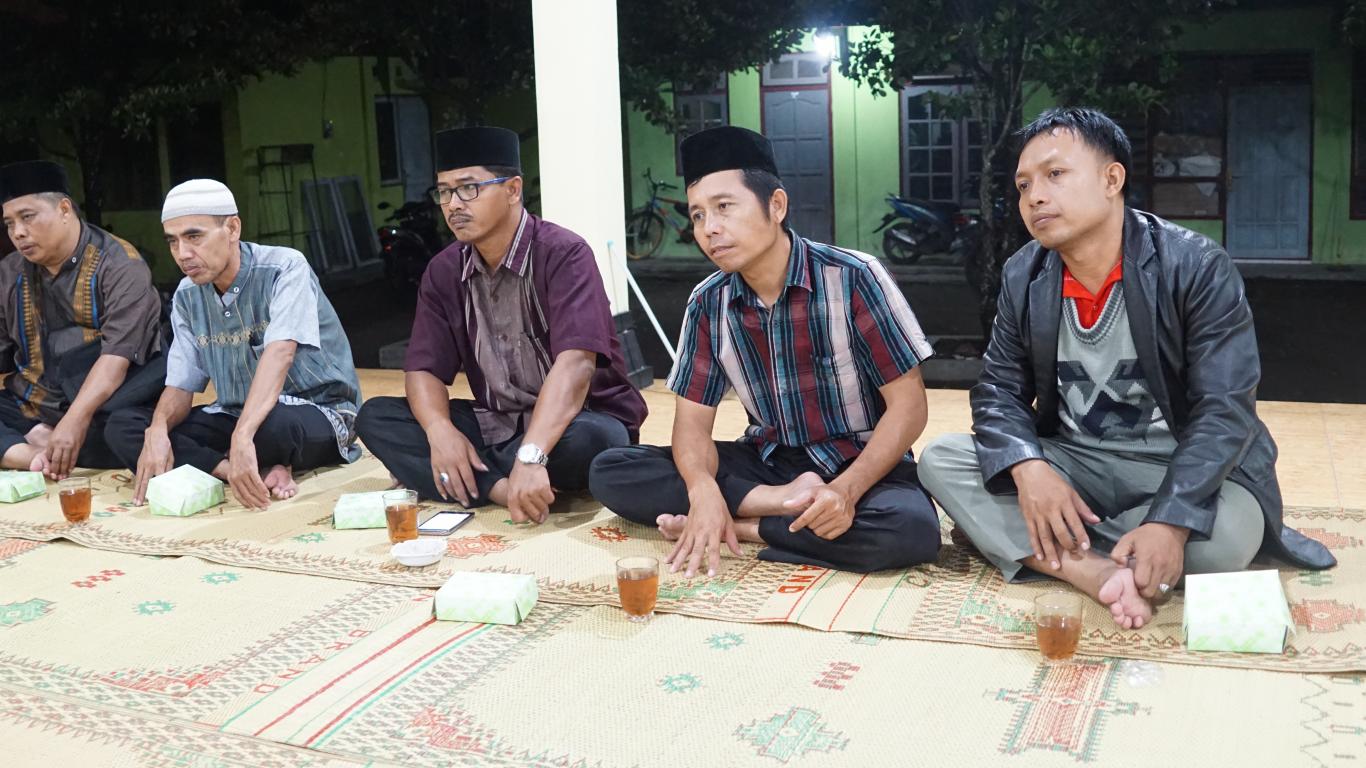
444	523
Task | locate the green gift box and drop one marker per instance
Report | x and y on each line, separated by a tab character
1244	612
183	491
359	510
17	486
489	598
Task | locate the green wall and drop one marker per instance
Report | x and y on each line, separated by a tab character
284	110
292	110
866	134
1335	237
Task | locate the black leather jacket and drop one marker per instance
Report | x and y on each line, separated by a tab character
1192	328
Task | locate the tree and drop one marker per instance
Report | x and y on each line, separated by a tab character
1115	56
98	71
462	54
702	40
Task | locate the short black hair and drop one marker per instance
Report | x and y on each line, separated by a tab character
503	170
55	199
763	184
1093	127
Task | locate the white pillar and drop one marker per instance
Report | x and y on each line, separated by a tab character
578	119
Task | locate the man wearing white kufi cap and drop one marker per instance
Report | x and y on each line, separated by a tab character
80	331
252	320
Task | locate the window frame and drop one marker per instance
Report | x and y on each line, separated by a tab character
960	144
392	105
718	93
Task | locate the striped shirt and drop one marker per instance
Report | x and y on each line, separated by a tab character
102	296
275	297
808	370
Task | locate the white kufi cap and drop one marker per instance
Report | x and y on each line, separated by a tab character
198	197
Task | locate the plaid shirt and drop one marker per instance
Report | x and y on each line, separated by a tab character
808	370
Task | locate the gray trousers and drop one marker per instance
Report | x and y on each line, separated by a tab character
1118	488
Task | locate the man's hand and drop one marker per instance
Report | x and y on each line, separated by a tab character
65	445
244	474
156	458
709	523
1053	512
529	493
826	509
1159	554
454	461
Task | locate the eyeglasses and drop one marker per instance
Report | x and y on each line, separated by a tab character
466	192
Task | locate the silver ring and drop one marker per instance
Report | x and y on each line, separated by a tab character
1164	588
445	478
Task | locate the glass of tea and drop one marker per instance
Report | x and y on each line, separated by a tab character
74	493
638	585
400	512
1057	618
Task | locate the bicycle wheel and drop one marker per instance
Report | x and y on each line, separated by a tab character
644	232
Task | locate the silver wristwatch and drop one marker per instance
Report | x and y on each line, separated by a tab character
530	453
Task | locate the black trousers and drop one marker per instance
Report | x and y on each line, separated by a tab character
895	524
95	451
142	385
388	428
297	436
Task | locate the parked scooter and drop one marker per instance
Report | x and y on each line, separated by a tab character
410	242
916	227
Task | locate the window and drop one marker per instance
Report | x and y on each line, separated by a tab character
804	68
941	154
194	144
403	137
386	135
1359	135
1186	154
698	110
1180	159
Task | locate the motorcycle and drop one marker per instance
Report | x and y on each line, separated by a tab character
409	242
916	227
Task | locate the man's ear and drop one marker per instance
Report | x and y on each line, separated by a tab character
514	187
1114	180
777	205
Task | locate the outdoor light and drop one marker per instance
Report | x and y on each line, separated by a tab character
826	45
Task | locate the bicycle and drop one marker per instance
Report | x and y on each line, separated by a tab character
645	225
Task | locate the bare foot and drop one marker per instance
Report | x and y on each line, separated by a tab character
1129	609
394	483
40	462
769	499
39	436
671	525
20	456
280	482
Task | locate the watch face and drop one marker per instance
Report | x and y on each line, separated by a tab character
529	454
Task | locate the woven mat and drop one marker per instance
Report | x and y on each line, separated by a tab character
109	658
959	599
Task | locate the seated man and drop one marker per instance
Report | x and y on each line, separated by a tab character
822	348
518	305
1118	403
81	329
252	320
